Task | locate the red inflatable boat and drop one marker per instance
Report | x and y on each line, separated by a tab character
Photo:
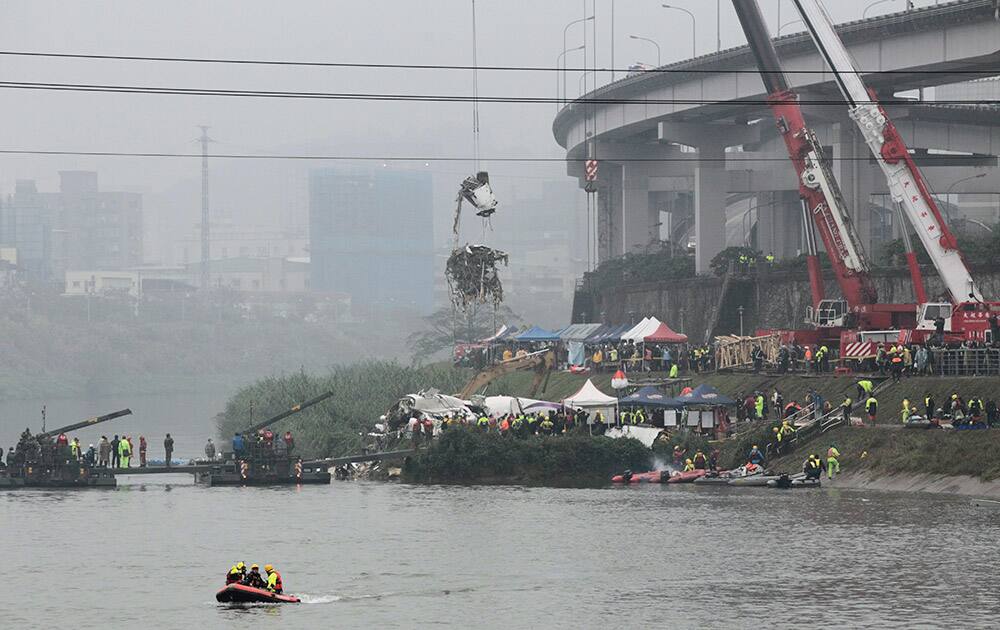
653	476
687	477
243	594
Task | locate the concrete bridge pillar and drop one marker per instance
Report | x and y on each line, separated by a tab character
710	183
635	208
779	228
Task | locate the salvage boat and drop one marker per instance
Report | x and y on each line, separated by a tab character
243	594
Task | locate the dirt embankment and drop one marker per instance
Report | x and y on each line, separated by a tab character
937	484
912	460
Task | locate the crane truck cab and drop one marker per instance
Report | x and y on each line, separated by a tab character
829	314
968	321
930	312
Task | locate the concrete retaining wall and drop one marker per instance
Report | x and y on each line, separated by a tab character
775	300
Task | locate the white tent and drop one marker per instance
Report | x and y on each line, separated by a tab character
592	400
628	333
639	333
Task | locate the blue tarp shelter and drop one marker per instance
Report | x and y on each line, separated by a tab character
649	397
704	395
536	334
610	335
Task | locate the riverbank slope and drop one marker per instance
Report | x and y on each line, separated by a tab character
904	457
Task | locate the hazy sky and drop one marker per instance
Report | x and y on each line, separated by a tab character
511	32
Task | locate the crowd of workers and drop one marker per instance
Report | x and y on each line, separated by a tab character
238	574
121	451
521	425
670	359
118	452
896	359
262	445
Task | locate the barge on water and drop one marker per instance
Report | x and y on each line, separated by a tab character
266	459
39	461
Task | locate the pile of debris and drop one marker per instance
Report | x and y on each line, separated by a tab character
472	272
473	277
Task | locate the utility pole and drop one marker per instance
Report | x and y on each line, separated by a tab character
205	277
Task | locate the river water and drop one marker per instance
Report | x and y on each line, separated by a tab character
367	555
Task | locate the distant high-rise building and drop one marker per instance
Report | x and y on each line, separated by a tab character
29	223
371	236
79	227
104	228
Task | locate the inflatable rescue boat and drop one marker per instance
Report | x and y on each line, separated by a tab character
653	476
687	477
243	594
793	481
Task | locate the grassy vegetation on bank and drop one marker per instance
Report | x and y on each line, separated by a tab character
468	456
361	393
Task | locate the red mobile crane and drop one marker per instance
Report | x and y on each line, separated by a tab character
967	316
822	204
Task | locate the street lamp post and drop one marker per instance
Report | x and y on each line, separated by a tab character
646	39
559	62
782	27
740	311
565	31
718	25
947	192
864	14
694	28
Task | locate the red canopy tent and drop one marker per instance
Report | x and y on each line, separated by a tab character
663	334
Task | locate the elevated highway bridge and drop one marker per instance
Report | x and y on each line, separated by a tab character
696	140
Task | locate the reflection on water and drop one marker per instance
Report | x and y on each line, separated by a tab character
396	556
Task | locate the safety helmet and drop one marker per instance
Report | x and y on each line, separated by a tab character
687	461
254	566
240	565
268	568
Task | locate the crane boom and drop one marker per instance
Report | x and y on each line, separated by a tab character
821	195
905	181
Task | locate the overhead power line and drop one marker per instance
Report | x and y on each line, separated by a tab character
456	67
733	157
430	98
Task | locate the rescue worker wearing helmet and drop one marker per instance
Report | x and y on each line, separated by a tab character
254	578
236	573
273	579
813	467
688	465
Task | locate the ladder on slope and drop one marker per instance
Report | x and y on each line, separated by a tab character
713	318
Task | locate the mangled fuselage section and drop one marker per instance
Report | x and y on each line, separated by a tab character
430	404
